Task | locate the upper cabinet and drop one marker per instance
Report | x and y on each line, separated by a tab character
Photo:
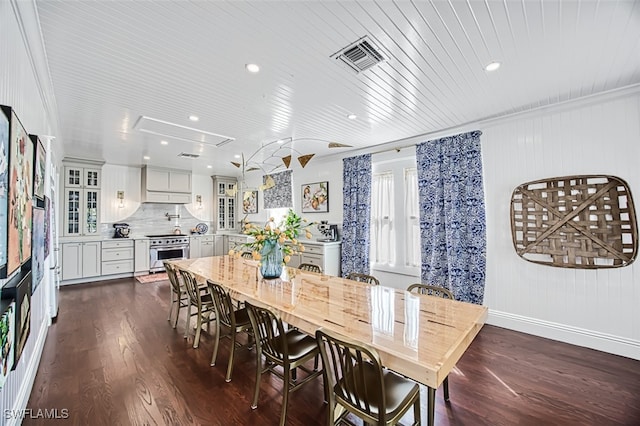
224	203
165	185
81	197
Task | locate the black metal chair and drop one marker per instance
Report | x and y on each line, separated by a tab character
310	267
289	349
235	320
179	296
364	278
355	380
436	291
201	299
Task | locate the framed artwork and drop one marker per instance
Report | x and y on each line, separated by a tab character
7	338
250	202
48	226
4	187
315	197
19	289
21	157
37	260
40	167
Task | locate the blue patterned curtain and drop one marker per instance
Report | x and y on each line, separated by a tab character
452	215
280	195
356	193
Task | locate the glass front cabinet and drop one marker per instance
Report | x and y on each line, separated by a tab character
81	200
225	192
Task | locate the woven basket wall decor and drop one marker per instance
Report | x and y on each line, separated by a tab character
575	222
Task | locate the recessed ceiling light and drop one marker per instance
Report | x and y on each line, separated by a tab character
352	116
194	118
146	157
252	68
236	156
209	166
492	66
164	143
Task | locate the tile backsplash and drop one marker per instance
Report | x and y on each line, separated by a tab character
151	219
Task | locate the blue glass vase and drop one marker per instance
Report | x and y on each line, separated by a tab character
271	261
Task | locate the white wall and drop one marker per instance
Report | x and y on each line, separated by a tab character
595	308
31	100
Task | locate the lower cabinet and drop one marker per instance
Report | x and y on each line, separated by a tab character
234	242
81	260
206	246
117	257
141	256
325	255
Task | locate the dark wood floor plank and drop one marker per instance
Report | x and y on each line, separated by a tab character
112	358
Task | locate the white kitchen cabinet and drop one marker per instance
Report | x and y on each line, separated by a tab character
117	256
224	203
325	255
81	199
141	255
202	246
81	260
234	242
218	245
165	185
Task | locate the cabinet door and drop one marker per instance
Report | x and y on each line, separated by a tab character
218	243
180	182
73	177
194	248
73	211
207	249
222	223
157	180
231	213
91	211
91	178
71	261
141	256
91	259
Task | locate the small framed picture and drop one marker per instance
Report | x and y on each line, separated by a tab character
315	197
250	202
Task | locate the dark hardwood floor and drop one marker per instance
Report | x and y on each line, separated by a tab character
113	359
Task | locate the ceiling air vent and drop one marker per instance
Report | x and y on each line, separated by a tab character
360	55
188	155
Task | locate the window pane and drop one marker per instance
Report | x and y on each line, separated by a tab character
412	218
382	229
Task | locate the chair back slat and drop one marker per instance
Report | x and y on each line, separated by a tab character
173	277
364	278
192	288
269	332
310	267
431	290
353	371
223	304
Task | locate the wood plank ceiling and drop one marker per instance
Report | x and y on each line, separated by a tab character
114	61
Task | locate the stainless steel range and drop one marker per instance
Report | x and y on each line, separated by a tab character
166	247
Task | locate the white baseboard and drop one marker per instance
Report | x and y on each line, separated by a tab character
576	336
20	403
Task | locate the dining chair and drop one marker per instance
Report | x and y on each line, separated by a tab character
310	267
289	350
246	255
431	290
369	279
201	299
436	291
236	320
179	296
355	382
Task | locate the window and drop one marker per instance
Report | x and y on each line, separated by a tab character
395	222
382	224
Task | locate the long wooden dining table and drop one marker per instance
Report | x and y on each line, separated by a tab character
421	337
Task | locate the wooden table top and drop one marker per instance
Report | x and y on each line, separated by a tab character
421	337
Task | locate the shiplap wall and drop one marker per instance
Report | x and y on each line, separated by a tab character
20	89
594	308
